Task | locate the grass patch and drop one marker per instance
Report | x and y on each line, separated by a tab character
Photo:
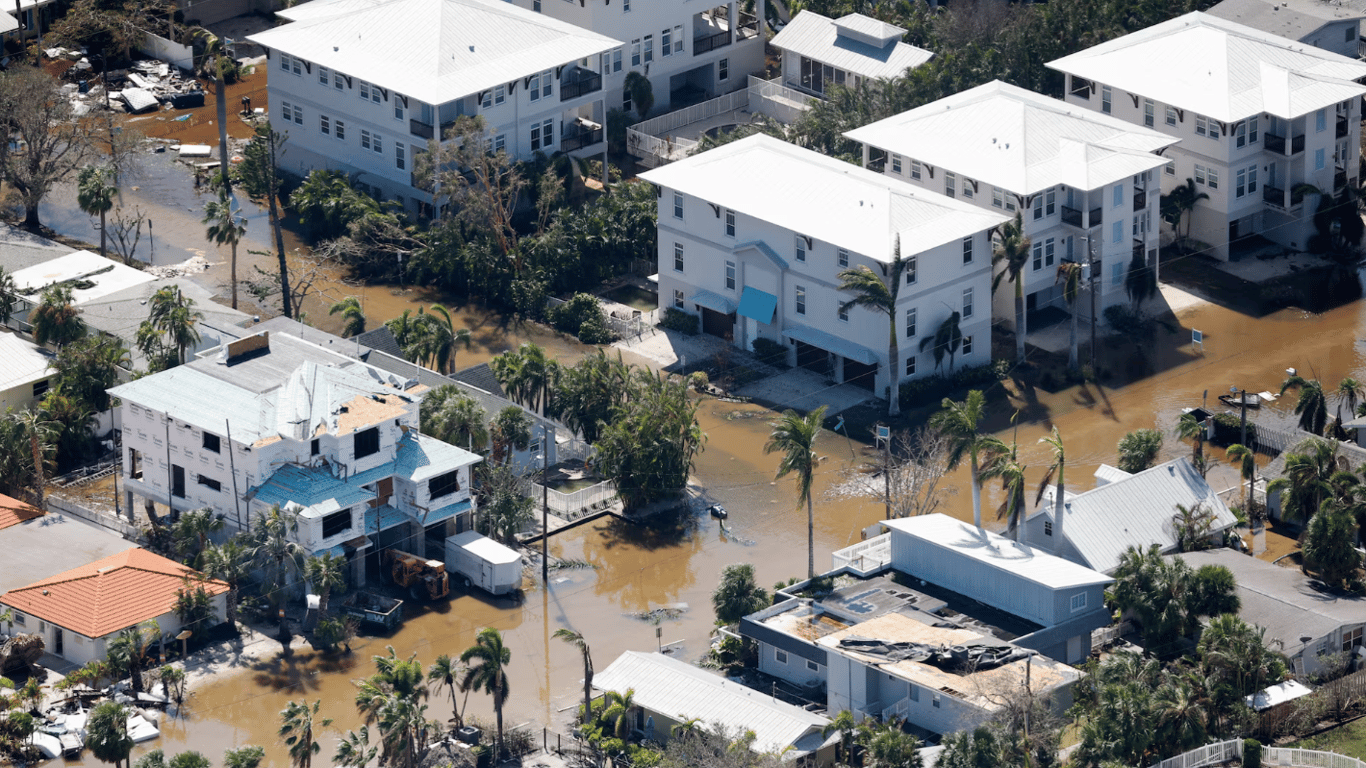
1348	739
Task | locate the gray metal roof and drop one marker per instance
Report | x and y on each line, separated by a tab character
681	691
1283	600
480	376
1136	511
1293	19
818	37
20	249
122	312
380	338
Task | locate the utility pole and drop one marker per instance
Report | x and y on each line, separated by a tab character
1094	269
545	504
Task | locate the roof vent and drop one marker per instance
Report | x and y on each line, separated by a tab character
45	593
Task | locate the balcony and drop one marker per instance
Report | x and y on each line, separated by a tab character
1276	196
705	43
1339	180
1073	218
580	83
1342	127
749	26
1139	248
1277	144
581	138
1140	199
420	129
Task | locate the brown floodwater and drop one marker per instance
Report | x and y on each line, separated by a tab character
676	562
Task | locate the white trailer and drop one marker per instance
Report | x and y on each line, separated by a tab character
477	560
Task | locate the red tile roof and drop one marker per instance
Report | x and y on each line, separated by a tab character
14	511
107	595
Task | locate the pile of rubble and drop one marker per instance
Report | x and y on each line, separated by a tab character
145	86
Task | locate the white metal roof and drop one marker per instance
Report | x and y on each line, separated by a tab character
681	691
434	50
8	23
1220	68
818	37
1136	511
108	276
821	197
485	548
996	551
1018	140
1279	693
23	362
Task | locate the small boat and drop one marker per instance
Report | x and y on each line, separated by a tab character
140	729
48	745
1248	399
717	511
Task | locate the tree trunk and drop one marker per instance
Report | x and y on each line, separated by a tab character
1072	353
232	274
976	491
31	221
220	95
587	687
231	608
39	479
893	352
1058	509
285	299
498	714
1021	328
103	239
810	540
323	595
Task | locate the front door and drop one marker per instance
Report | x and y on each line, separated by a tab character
57	641
177	481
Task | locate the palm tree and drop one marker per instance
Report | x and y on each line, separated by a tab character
250	756
298	724
191	532
1012	251
107	734
455	418
214	66
173	316
227	226
1191	428
487	660
95	193
1192	526
1182	720
947	338
620	709
1007	466
1352	391
1181	201
1245	460
870	291
229	562
56	318
795	436
41	434
393	699
354	750
1328	548
447	671
326	574
353	317
274	552
8	294
1058	467
1306	481
1069	275
959	421
132	648
845	726
443	357
1311	405
575	639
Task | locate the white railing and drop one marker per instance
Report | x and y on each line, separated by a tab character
577	503
899	709
866	555
1106	635
1210	754
1222	751
650	140
778	101
655	151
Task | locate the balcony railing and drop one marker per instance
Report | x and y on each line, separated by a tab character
585	82
1138	248
1140	199
581	139
1276	196
1073	218
420	129
1339	180
1342	127
1277	144
701	45
749	26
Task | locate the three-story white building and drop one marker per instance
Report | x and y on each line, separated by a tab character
753	236
362	85
1257	116
1085	185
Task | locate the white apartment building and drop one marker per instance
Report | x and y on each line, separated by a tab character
690	51
274	420
1333	26
1256	115
1085	185
362	85
753	236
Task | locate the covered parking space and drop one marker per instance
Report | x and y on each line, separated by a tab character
718	313
847	361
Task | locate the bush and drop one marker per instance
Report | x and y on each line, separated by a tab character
329	632
1228	430
676	319
931	389
1252	753
582	316
770	352
698	380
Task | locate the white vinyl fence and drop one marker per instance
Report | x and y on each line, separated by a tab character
1221	751
651	140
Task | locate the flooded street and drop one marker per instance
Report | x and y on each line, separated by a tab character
636	568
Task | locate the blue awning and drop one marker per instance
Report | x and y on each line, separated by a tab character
831	343
446	512
758	305
713	301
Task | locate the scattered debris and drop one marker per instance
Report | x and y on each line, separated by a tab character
187	267
670	612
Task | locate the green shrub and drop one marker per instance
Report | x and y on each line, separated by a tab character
583	317
676	319
1228	430
329	632
770	352
1252	753
931	389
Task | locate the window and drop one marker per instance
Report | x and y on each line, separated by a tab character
368	92
177	481
730	223
1117	232
336	523
915	169
1245	182
649	54
212	443
323	76
500	143
1171	116
298	115
1247	132
542	84
813	666
910	365
1048	527
1117	195
950	183
635	52
678	40
967	188
1348	34
1199	174
1321	120
730	275
1148	110
371	141
19	619
543	134
444	485
210	483
1202	125
678	298
367	442
910	270
1044	253
843	256
842	313
780	656
678	206
967	303
1170	168
967	249
1078	601
341	130
801	247
1106	99
400	156
315	447
337	81
616	60
967	346
801	300
325	125
1213	174
678	257
1318	159
666	43
910	323
1116	272
1002	199
913	692
934	701
1045	203
1351	638
896	164
296	65
284	62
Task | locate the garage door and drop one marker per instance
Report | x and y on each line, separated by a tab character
717	324
860	375
812	358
